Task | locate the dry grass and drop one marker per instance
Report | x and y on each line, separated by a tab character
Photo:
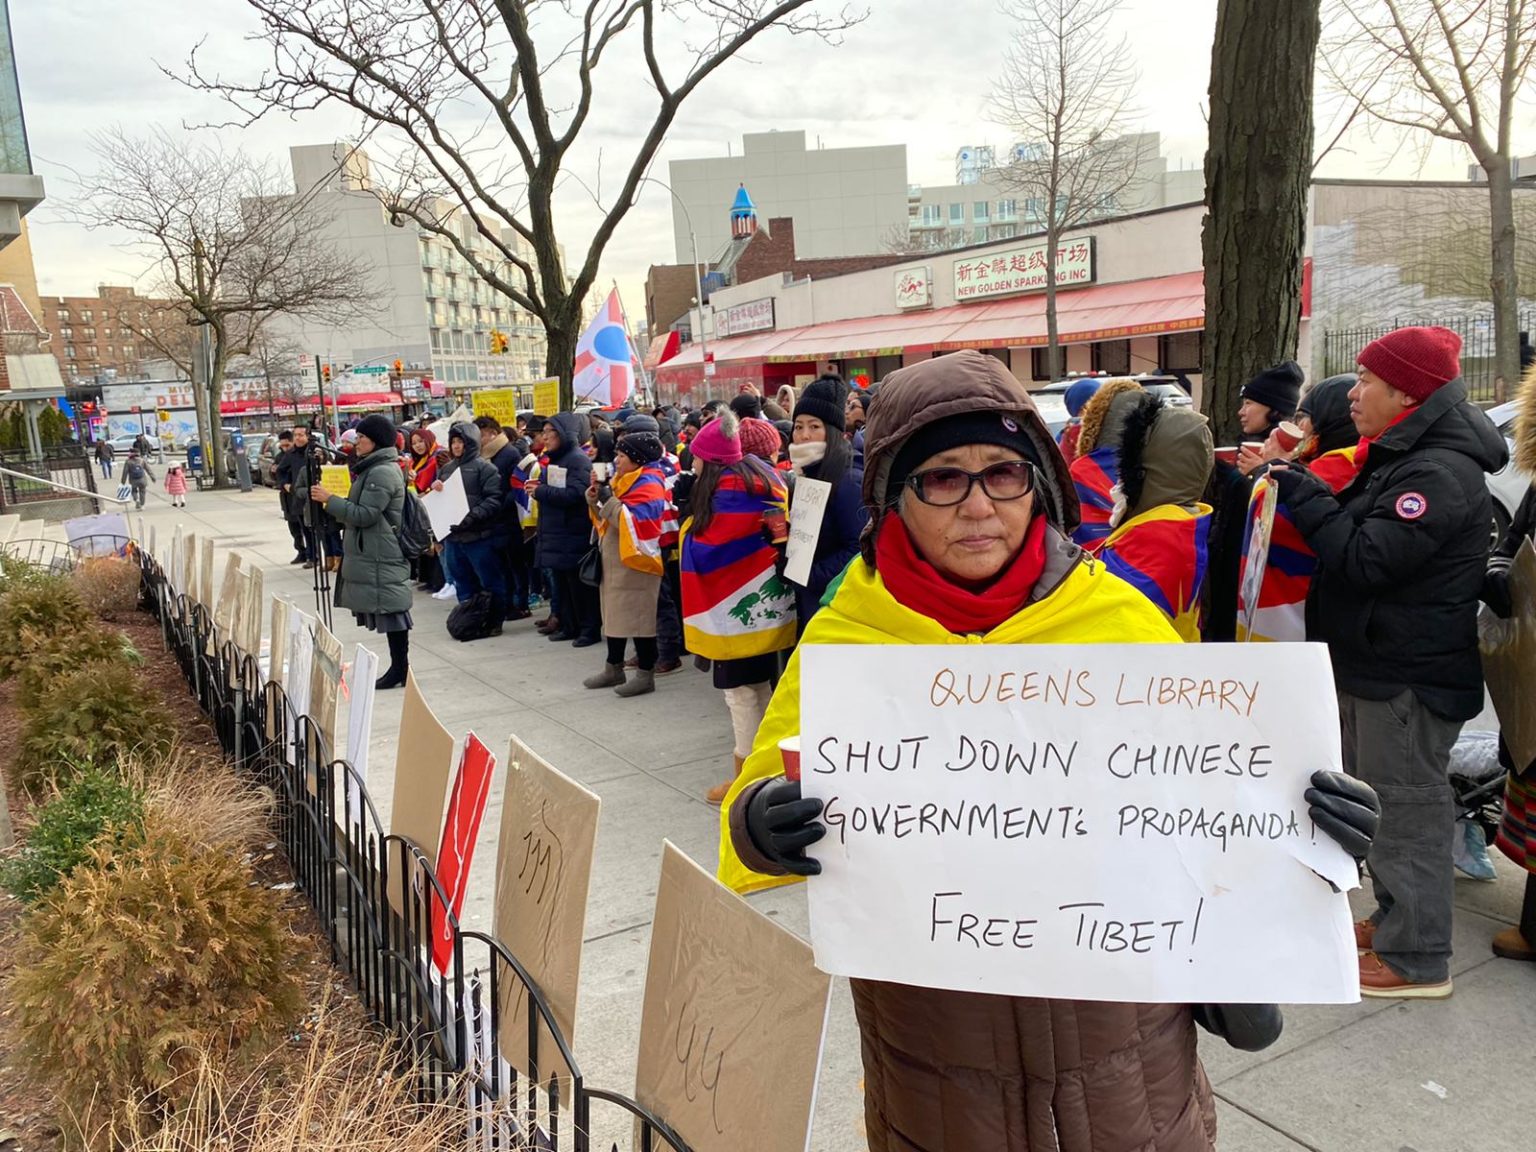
214	805
330	1092
109	585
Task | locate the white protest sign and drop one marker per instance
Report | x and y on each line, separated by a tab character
1096	822
554	476
446	508
365	670
1266	495
810	504
301	657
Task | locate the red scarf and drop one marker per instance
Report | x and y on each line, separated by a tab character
918	585
1363	450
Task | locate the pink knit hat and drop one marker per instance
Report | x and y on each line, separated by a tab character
1414	360
719	441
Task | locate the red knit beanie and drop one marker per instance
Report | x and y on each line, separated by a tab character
1414	360
760	438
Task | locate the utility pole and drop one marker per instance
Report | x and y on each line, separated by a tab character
200	366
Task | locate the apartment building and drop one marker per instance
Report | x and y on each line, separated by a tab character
99	338
434	312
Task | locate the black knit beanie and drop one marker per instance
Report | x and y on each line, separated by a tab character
1277	388
956	432
379	428
747	406
825	398
642	447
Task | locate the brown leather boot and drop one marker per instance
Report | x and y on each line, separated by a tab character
1512	945
716	795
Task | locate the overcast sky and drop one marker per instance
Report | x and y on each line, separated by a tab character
916	72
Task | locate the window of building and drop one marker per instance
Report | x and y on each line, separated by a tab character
933	214
1034	209
956	215
1112	356
127	351
979	234
1007	209
1180	351
437	340
70	352
1005	231
63	315
981	210
106	333
67	333
86	315
90	333
1039	364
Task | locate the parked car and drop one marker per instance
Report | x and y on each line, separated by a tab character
1052	403
264	463
1507	486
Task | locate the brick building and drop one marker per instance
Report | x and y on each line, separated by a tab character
94	335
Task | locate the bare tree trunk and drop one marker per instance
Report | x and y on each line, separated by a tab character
215	416
1504	284
560	358
1257	172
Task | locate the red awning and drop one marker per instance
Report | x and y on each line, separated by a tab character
347	401
662	349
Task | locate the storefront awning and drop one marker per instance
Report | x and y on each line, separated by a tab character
1102	312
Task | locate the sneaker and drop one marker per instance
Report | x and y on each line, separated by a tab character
1379	981
1470	853
1365	934
446	592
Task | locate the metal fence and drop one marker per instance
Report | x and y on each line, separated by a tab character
381	907
1342	346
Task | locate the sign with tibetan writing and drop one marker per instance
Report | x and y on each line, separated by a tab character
739	319
914	288
1023	270
1097	822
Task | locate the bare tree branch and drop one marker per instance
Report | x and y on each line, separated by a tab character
481	107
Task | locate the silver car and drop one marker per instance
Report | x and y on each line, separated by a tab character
1051	400
1508	485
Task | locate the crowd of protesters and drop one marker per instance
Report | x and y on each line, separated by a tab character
945	507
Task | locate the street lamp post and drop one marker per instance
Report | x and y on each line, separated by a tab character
698	279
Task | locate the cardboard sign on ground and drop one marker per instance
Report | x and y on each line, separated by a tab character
1509	659
360	692
456	852
249	636
301	666
424	758
205	574
734	1016
1122	822
543	873
325	685
277	654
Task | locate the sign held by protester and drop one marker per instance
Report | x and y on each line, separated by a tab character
448	507
728	1070
805	516
498	402
1509	659
546	396
336	479
1095	822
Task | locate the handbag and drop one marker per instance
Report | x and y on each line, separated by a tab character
591	567
125	491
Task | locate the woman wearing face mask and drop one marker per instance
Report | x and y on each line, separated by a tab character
819	451
972	507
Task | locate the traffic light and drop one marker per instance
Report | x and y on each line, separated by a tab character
325	373
498	343
399	364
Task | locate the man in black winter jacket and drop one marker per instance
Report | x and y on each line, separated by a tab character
472	552
504	455
565	529
1401	553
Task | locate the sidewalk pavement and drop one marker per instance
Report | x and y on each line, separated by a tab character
1379	1076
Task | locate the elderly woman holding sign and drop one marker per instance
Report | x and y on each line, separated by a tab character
971	512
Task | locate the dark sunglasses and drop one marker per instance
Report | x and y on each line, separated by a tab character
946	487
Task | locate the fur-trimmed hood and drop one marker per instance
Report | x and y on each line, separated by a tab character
1098	428
1525	424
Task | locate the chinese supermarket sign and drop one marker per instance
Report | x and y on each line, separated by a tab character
754	316
1023	270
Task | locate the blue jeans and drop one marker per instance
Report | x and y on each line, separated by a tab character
106	468
476	566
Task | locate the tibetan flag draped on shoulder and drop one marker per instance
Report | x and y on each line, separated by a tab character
669	469
1281	613
735	603
642	498
1095	475
605	370
1163	554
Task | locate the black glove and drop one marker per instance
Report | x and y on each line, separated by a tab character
1247	1027
1496	587
1346	809
783	825
1296	484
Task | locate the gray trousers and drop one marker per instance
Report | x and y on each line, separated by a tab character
1402	749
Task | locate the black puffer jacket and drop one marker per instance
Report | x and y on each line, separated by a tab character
482	488
1401	554
565	531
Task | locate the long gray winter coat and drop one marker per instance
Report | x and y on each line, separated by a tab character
375	576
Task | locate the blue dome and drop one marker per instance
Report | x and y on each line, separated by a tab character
742	205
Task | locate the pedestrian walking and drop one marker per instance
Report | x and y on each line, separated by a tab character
137	475
374	582
628	512
105	455
176	485
971	509
1402	551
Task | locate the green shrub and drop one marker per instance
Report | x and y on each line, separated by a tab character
98	714
153	952
33	610
96	804
59	654
14	572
